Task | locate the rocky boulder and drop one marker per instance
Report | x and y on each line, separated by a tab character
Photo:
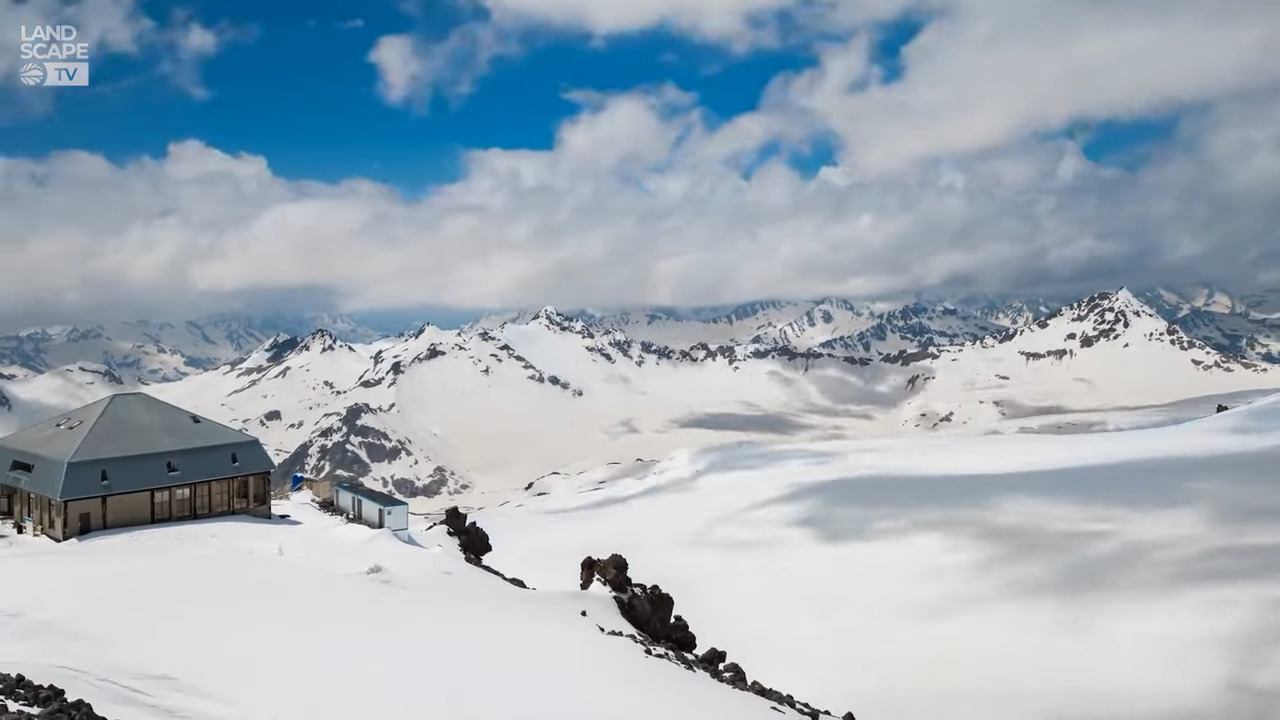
648	608
50	701
472	538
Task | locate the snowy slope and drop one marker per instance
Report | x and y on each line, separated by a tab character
1016	577
430	413
308	618
1106	351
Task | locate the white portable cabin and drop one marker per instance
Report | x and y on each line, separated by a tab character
373	508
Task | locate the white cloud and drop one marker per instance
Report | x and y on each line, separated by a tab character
640	201
189	44
455	63
411	71
986	72
399	67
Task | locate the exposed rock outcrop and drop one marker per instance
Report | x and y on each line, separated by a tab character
49	701
667	636
647	608
474	542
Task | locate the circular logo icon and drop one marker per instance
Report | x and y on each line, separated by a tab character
32	74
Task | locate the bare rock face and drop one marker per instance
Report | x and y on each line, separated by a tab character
647	608
474	543
612	571
50	701
1222	408
472	538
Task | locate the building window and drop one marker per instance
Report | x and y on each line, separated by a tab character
75	425
240	493
235	459
202	499
160	505
182	502
61	422
20	466
171	467
103	478
221	498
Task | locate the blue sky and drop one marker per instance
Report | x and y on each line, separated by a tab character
301	93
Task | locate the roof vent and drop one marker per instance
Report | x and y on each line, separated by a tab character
20	466
235	459
171	467
105	480
195	418
75	425
61	422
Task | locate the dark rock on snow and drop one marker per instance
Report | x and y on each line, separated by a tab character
474	542
50	701
471	537
665	635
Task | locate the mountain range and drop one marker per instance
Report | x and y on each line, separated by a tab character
438	415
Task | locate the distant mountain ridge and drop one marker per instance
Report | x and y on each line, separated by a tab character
146	351
434	415
1247	325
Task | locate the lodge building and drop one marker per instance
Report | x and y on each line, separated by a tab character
129	459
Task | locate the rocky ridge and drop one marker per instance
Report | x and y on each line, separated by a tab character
667	636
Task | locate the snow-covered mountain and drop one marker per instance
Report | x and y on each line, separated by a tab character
1107	350
430	414
679	327
441	416
912	327
1247	326
149	351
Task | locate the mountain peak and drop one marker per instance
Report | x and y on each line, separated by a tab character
1106	306
548	312
321	340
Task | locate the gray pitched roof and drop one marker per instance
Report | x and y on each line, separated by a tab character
375	496
131	440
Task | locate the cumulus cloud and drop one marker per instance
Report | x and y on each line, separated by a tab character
189	44
453	65
412	71
985	72
641	200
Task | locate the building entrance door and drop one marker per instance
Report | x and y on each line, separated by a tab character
86	524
